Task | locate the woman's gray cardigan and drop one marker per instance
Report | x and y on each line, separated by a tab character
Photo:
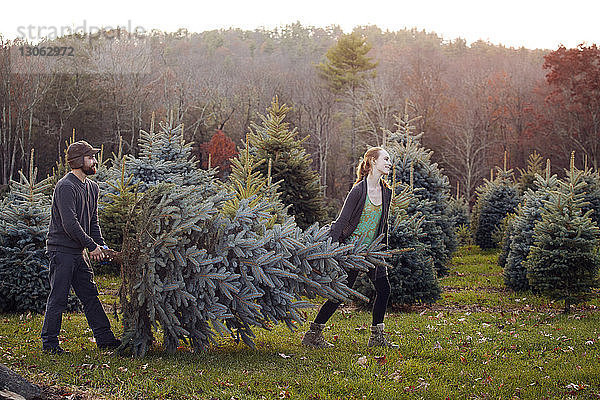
349	217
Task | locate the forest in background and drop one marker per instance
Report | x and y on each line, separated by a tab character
476	101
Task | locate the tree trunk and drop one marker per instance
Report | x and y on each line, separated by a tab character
13	386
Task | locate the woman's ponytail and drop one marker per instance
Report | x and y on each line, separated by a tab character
365	164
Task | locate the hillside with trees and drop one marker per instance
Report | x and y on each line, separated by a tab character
477	100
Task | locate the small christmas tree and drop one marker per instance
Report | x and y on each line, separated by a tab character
520	238
458	211
299	184
247	182
61	167
413	165
563	262
496	199
165	156
592	192
113	213
24	220
535	166
506	230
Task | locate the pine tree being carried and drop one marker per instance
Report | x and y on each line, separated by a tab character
199	261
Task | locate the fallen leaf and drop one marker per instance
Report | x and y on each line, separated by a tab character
381	359
396	376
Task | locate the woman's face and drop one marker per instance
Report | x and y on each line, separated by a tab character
383	163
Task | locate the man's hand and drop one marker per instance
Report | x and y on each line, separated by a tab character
109	253
97	254
113	256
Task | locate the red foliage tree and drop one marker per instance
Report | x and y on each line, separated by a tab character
574	80
219	150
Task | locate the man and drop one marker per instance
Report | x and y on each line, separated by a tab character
73	228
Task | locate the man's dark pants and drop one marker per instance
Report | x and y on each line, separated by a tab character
68	270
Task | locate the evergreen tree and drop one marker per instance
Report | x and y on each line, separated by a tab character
458	211
563	262
113	213
247	182
61	167
412	275
165	156
347	65
289	165
346	70
535	166
503	236
591	193
496	199
413	165
198	262
24	220
520	238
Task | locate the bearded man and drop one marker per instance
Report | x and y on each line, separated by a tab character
73	229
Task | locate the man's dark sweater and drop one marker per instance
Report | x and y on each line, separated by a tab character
74	223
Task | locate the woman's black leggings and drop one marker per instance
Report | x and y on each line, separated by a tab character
382	294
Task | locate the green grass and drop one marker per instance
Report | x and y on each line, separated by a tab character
478	342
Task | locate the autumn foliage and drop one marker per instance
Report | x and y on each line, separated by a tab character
574	99
219	150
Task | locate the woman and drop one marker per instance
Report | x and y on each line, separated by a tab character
365	210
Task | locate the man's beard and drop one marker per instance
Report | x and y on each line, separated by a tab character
89	170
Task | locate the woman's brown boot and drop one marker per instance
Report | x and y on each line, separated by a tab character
378	338
314	337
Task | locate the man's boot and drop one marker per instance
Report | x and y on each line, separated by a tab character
314	337
378	338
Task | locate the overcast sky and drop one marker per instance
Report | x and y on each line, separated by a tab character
516	23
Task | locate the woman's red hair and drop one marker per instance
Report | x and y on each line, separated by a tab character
366	163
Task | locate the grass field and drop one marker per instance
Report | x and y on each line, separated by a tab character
478	342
